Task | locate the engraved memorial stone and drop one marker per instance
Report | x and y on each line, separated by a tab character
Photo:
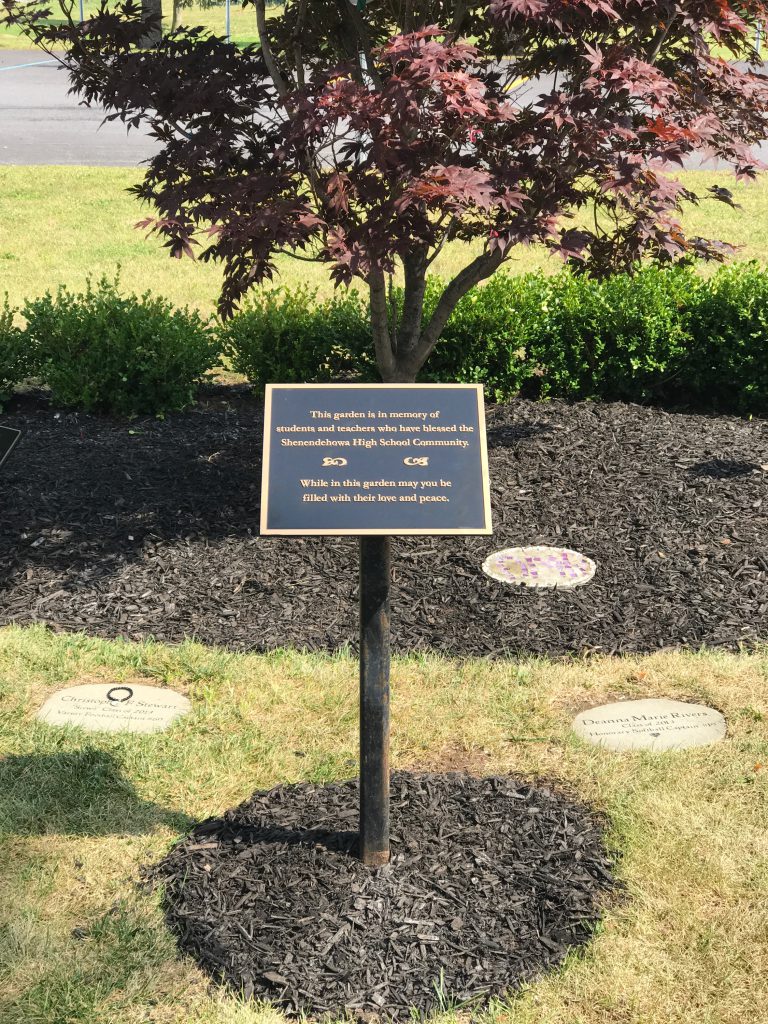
650	724
107	707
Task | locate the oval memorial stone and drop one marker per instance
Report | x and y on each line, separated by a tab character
115	707
655	723
540	566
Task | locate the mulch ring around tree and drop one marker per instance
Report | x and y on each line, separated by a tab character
150	528
491	882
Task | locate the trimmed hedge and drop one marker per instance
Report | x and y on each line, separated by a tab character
664	337
125	355
729	331
15	365
288	337
624	339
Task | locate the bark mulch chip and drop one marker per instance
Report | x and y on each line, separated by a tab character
491	882
150	529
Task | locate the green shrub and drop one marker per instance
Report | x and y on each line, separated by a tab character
571	337
488	339
284	336
121	354
15	362
729	365
644	326
664	336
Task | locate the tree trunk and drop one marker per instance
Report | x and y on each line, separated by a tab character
375	576
394	347
382	338
152	17
175	15
401	352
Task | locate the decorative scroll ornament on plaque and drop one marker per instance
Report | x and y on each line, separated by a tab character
540	566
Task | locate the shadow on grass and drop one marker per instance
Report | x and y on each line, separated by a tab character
80	793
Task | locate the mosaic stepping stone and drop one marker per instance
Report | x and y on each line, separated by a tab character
540	566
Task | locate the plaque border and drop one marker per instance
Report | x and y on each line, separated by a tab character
14	442
485	530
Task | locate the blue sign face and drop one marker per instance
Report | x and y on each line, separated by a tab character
374	459
8	438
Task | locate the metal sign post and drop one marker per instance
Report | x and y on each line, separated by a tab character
374	461
375	576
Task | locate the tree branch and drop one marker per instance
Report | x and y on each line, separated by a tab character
415	269
266	51
408	17
382	344
446	237
478	270
459	14
392	306
351	12
660	39
297	53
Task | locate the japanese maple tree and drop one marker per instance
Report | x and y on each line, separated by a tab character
367	137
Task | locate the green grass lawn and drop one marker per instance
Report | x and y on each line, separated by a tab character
80	813
60	224
242	22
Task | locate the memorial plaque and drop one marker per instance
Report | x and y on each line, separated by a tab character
8	439
378	459
650	724
115	707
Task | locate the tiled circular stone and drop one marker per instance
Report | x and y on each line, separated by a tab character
540	566
651	724
114	707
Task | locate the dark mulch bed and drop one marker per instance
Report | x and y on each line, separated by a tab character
151	529
491	881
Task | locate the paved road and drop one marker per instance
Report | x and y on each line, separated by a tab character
41	124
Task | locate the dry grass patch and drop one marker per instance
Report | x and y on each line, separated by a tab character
80	813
